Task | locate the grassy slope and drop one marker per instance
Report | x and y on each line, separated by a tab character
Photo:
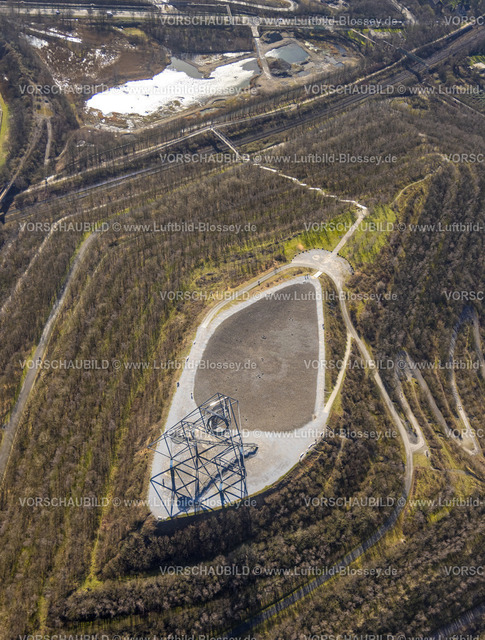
3	131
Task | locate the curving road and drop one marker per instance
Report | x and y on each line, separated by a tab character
452	43
323	263
468	436
338	269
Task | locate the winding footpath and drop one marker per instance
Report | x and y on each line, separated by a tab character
337	269
478	343
421	442
324	265
11	428
32	262
468	440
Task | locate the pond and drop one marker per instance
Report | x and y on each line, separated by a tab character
291	53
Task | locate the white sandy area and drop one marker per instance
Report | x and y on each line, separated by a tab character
38	43
54	33
144	97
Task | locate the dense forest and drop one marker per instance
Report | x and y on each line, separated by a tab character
96	424
80	550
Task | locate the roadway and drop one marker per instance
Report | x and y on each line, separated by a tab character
269	612
352	96
468	438
323	265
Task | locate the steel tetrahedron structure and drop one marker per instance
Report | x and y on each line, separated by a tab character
203	465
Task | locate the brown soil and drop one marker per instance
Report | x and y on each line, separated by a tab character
269	340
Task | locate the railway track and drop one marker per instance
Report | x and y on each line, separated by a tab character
455	42
465	37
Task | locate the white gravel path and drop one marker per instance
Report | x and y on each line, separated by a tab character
278	452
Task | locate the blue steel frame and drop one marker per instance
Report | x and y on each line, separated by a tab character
203	459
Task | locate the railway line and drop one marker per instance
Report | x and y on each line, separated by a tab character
331	103
140	11
258	136
347	97
325	106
